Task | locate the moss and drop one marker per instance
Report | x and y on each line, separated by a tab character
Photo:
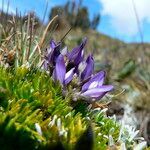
35	115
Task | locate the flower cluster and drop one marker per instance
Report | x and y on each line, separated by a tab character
71	68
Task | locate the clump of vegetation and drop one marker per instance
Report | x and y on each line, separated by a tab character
35	115
43	108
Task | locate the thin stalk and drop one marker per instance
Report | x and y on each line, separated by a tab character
66	34
28	34
138	21
43	37
44	15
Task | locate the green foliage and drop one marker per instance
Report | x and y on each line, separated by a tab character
35	115
32	97
127	69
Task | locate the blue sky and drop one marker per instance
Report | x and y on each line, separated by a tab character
118	17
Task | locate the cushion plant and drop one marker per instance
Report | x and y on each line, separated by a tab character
50	107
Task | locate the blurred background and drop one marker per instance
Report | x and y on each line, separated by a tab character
118	36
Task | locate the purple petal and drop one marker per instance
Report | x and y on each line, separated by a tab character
52	44
73	53
69	76
97	80
97	92
60	69
76	55
53	54
83	43
79	58
88	71
56	53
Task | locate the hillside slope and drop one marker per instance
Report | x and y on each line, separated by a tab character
105	48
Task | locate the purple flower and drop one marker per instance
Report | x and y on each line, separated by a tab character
77	54
60	73
69	76
64	65
53	44
94	88
89	68
52	54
